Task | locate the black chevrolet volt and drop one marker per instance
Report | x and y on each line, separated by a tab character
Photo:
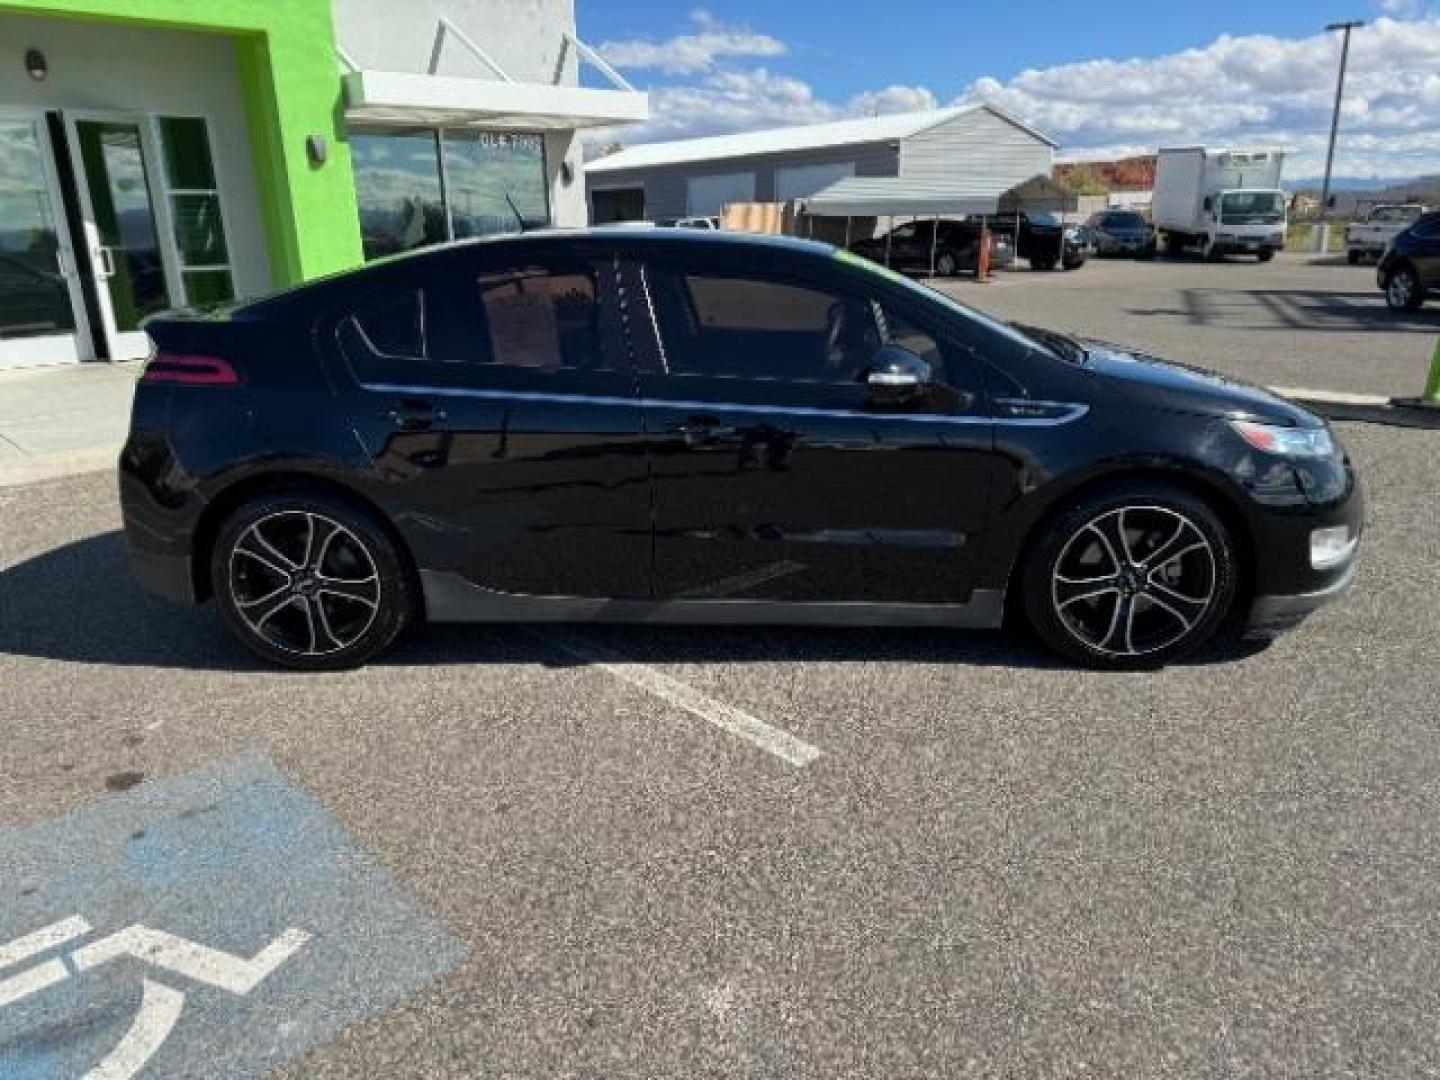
688	427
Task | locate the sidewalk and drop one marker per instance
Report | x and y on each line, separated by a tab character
63	420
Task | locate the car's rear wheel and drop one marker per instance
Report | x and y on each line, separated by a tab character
1402	291
1131	578
309	581
1042	262
1353	256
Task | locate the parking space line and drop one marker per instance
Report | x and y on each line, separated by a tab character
31	981
737	722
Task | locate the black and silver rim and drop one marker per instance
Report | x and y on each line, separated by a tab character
946	265
304	583
1401	286
1134	581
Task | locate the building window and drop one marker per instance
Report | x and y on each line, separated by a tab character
194	198
420	186
397	185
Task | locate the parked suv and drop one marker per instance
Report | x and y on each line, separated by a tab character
681	426
954	245
1121	232
1410	267
1041	239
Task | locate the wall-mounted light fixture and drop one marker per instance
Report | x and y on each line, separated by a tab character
36	66
315	149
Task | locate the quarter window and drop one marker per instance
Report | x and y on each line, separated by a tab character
731	325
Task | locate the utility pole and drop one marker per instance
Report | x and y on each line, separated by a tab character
1345	28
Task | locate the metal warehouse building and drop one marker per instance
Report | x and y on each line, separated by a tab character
956	160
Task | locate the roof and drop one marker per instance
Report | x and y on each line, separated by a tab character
887	196
865	129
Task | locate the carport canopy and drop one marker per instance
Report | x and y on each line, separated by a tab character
899	196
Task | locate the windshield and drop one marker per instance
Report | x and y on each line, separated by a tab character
1123	221
934	296
1252	207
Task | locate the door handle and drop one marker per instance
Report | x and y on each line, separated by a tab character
413	415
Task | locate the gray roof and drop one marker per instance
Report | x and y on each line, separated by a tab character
864	129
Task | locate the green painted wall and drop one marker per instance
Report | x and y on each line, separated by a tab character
285	51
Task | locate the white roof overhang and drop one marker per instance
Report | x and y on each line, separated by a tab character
405	98
898	196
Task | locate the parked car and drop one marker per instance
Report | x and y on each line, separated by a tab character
1042	239
1120	232
692	223
1372	235
702	427
956	247
1410	267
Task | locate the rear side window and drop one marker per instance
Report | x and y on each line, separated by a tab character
540	318
726	324
545	318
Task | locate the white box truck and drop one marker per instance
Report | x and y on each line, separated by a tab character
1220	202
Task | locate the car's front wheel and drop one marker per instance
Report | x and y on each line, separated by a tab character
945	264
1402	291
1131	578
309	581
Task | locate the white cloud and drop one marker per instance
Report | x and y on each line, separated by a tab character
1255	89
688	54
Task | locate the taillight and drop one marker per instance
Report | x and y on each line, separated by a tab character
190	370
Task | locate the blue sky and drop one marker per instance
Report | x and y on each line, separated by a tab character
1103	76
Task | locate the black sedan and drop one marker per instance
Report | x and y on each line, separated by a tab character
1410	267
947	247
1121	232
692	427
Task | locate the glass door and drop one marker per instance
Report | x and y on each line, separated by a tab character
41	308
123	230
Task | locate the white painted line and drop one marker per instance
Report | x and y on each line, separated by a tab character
159	1009
31	981
198	962
726	717
47	937
1336	397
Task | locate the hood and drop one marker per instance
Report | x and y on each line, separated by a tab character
1179	388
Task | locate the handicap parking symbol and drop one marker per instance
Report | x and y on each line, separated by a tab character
217	924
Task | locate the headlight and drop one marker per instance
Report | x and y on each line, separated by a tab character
1332	547
1286	441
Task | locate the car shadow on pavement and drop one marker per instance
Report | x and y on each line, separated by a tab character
80	603
1290	309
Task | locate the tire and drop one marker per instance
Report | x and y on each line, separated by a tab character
945	264
1210	253
272	562
1265	256
1134	609
1403	291
1173	244
1353	257
1043	263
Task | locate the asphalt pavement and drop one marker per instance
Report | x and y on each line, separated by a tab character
1301	321
577	852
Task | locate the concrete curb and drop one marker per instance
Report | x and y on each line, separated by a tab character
1366	408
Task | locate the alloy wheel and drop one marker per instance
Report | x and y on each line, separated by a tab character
1134	581
304	583
1402	287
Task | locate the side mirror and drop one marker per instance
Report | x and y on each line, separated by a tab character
896	376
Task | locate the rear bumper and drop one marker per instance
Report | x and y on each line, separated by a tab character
1275	614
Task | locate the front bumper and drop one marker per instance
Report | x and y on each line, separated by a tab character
1272	615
